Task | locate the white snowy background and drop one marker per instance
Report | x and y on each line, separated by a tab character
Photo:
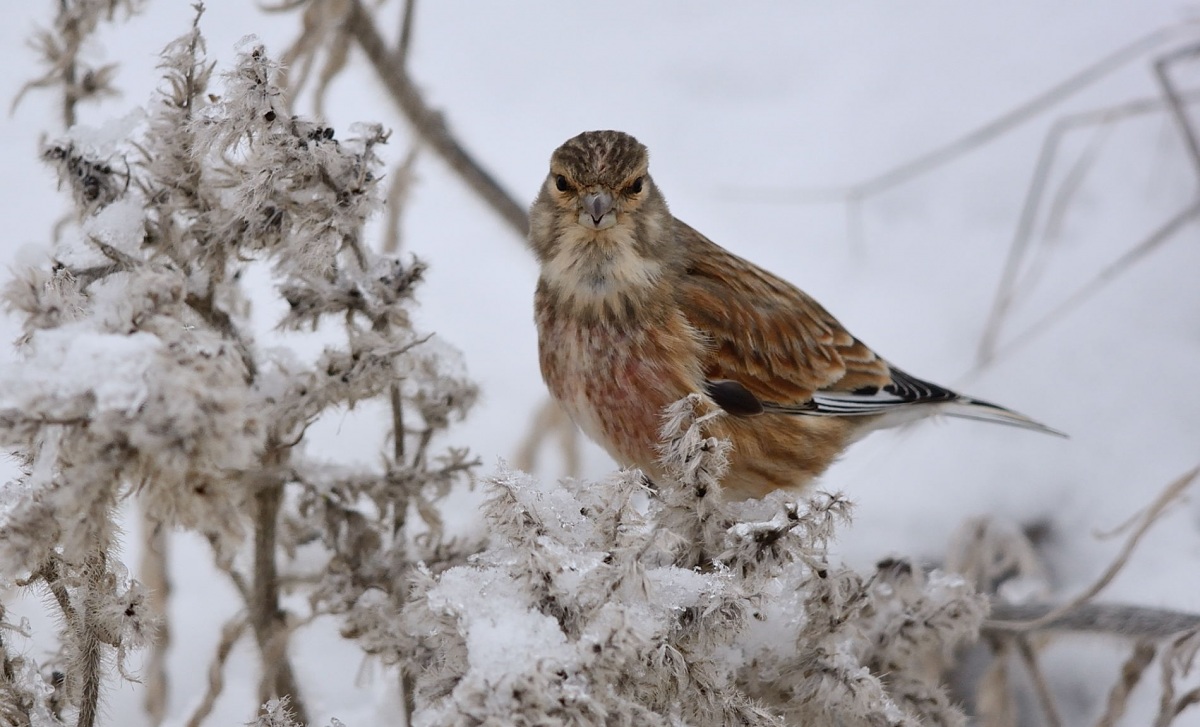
744	106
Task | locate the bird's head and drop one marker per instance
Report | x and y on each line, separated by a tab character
599	199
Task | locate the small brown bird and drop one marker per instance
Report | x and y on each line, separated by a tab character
636	310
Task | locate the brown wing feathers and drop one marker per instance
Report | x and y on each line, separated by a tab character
778	343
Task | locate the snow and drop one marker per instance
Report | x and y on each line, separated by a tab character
109	136
746	107
119	224
502	633
63	365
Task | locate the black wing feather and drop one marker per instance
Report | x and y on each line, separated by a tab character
904	390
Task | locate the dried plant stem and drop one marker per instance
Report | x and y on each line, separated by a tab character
940	156
84	673
224	324
1071	184
428	123
1168	496
550	420
995	703
406	26
1175	100
156	579
270	630
51	575
88	664
1131	674
230	633
1095	285
997	127
1192	696
1045	698
1111	619
397	424
10	711
1008	288
72	38
1176	659
402	178
408	690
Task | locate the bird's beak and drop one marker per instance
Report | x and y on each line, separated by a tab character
598	211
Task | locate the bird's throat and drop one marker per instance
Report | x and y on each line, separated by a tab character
597	267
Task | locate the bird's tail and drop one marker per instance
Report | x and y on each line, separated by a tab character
965	407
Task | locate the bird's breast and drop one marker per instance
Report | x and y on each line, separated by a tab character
614	377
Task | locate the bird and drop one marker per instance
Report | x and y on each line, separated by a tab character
636	310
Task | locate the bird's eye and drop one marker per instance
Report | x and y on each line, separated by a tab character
560	183
636	187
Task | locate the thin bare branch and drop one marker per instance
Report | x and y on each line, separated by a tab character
1070	186
995	702
158	588
1176	660
1189	698
1112	619
1175	100
1167	497
89	661
397	424
1006	291
429	124
230	633
278	679
406	27
1131	674
947	153
1040	687
397	197
337	53
550	420
1093	286
408	690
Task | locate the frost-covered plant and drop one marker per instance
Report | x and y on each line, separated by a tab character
626	602
142	377
278	713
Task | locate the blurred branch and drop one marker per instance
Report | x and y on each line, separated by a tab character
1131	673
1112	619
87	673
1170	494
397	198
1097	283
1010	282
157	580
230	633
1045	698
550	420
995	702
947	153
278	679
406	26
62	53
1176	660
429	124
1175	100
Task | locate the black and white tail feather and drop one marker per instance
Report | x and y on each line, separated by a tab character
905	400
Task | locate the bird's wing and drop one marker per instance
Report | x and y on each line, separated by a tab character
772	341
773	349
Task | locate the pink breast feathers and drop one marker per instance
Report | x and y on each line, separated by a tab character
613	385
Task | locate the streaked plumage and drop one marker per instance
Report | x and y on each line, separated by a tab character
635	310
